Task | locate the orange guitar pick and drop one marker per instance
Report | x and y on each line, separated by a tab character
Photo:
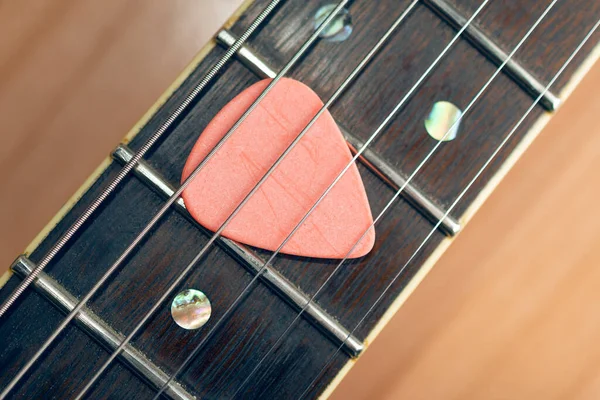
305	173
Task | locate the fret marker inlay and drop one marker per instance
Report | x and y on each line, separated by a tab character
443	121
339	29
191	309
269	216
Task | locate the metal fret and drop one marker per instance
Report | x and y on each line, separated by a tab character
181	109
252	262
492	51
373	161
99	330
496	152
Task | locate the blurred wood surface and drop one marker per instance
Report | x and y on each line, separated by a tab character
509	312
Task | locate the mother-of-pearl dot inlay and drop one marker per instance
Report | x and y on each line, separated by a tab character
339	28
441	123
190	309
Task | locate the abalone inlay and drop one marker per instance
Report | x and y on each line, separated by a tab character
191	309
339	28
442	123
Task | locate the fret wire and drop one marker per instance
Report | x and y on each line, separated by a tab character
307	44
373	161
249	260
498	149
434	228
399	191
111	187
356	71
358	154
63	240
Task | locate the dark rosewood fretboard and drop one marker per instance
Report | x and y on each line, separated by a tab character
233	352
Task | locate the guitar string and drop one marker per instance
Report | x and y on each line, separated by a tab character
498	149
305	46
107	191
355	72
393	199
424	161
232	306
359	152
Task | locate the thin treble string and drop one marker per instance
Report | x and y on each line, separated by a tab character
531	108
396	195
185	272
307	44
358	154
179	111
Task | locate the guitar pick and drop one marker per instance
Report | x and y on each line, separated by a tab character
337	223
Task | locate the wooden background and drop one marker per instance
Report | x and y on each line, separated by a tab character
509	312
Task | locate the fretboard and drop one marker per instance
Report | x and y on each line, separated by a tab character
262	339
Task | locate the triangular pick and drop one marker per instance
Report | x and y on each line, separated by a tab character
266	220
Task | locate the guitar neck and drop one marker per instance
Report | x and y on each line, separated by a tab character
503	110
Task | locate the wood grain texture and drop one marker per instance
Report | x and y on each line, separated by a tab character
510	311
263	317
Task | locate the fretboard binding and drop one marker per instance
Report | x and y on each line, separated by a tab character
373	161
337	333
99	330
495	54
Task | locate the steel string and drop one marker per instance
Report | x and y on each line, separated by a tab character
173	197
358	154
397	194
179	111
502	144
190	266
